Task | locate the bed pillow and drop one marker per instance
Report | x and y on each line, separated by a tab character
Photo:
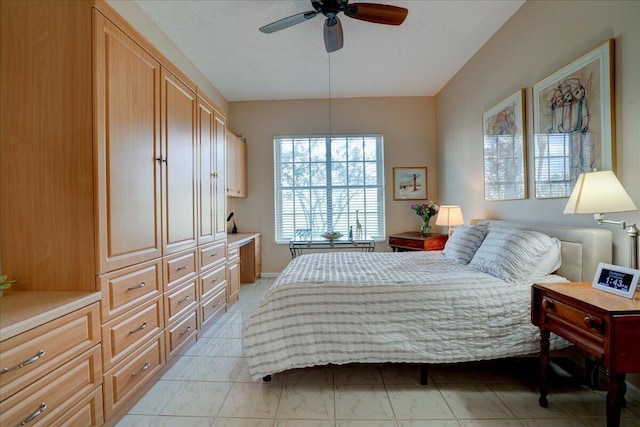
464	242
513	255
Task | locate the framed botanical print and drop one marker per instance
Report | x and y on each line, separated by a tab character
574	122
504	150
410	183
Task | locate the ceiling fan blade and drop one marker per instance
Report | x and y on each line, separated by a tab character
288	22
333	38
378	13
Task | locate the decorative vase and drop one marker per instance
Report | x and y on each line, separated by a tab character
426	228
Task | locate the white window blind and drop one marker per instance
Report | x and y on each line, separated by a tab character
327	183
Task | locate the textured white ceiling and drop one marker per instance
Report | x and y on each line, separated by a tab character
417	58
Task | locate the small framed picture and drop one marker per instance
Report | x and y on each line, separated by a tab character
617	280
410	183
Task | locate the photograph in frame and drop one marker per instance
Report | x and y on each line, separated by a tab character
573	122
409	183
505	149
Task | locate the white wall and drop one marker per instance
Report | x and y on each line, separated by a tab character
408	127
539	39
138	19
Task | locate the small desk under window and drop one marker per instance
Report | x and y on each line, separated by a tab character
298	246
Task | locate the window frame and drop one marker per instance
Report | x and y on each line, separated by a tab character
379	235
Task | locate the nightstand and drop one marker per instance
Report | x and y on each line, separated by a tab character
415	241
602	324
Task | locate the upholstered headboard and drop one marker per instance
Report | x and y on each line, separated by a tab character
582	248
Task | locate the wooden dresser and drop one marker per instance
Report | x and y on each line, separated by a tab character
50	359
416	241
604	325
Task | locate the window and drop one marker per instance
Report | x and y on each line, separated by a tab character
326	183
560	159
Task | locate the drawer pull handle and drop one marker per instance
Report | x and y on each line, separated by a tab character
184	267
141	285
591	323
143	326
217	304
144	368
187	298
216	279
186	331
547	304
29	361
216	254
33	416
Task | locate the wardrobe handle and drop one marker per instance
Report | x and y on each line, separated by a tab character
184	267
144	368
33	416
186	331
141	285
29	361
143	326
187	298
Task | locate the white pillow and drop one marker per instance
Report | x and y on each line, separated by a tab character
513	255
464	242
549	262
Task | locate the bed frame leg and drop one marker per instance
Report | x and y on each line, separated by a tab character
266	378
424	374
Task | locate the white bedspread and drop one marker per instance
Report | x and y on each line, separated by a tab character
417	307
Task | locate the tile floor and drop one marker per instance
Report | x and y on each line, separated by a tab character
210	386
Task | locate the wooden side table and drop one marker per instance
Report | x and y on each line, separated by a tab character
602	324
415	241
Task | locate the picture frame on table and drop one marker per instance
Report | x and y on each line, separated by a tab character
617	280
409	183
574	123
505	149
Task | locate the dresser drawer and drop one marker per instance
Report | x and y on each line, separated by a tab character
125	289
87	412
233	253
211	282
179	334
179	267
213	308
129	376
180	300
126	333
31	355
212	254
565	318
54	394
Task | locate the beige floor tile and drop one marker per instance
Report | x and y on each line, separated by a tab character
163	421
365	423
429	423
252	400
362	402
314	375
474	401
224	330
418	402
243	422
200	399
157	397
304	423
307	401
136	421
227	347
522	400
401	373
573	422
357	374
491	423
205	368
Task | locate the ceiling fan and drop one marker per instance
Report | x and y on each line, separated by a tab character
333	38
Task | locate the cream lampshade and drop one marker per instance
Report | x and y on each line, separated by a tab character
450	216
599	193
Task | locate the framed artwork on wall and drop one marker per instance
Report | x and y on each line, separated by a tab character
574	123
505	150
410	183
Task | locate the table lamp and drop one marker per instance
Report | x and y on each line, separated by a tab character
450	216
599	193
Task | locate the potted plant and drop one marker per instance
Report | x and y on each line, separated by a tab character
4	283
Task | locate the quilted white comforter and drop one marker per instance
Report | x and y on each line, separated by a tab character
417	307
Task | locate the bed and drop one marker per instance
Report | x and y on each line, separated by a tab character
418	307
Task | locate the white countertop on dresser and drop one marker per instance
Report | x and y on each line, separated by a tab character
24	310
239	239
